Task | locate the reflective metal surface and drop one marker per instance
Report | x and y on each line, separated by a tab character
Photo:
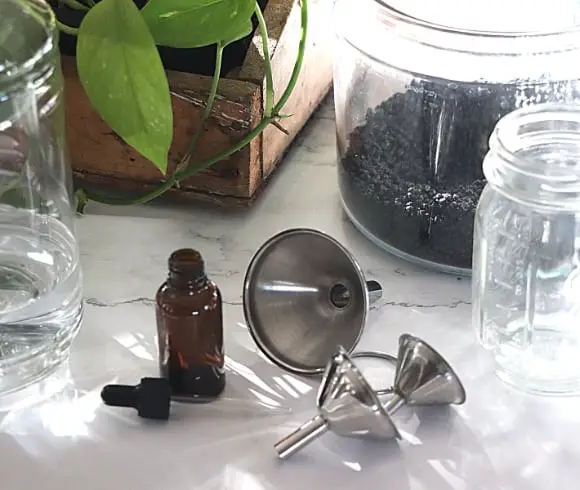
304	295
347	405
423	377
383	356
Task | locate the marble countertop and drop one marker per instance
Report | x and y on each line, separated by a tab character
499	439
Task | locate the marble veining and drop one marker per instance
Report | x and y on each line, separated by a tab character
62	437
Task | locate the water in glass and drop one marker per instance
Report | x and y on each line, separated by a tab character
40	274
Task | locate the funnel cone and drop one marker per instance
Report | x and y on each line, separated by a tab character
424	377
305	294
347	405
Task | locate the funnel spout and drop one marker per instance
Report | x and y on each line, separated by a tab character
301	437
375	291
396	402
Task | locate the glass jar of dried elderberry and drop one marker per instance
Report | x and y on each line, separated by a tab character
419	86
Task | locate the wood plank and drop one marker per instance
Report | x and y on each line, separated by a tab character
96	150
315	78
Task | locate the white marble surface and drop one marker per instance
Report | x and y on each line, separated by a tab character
498	440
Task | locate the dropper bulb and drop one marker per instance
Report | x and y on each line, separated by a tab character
151	397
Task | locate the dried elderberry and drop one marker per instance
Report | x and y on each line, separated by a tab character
411	174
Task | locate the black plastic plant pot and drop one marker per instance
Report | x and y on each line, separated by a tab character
199	61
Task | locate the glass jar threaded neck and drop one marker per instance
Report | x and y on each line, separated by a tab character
534	156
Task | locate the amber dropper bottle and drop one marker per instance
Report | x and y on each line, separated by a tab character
190	329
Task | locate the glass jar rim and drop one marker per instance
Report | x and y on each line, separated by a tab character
47	20
507	139
522	145
476	41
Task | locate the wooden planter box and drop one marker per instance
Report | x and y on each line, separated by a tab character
101	160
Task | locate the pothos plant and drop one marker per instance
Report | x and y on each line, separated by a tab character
121	71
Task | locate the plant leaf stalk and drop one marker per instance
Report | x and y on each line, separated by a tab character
73	31
208	108
75	4
269	104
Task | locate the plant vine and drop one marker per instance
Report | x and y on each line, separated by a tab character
272	114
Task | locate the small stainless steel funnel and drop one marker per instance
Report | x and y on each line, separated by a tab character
346	404
304	294
423	377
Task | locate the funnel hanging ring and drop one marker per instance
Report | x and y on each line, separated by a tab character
383	356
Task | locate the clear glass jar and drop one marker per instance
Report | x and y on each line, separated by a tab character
40	275
418	88
526	262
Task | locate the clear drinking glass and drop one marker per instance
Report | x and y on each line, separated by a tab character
40	275
526	262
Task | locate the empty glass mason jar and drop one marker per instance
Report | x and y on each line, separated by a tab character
526	262
40	275
418	88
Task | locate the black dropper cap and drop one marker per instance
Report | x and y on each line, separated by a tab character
151	397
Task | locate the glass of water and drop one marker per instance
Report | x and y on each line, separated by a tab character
526	267
40	275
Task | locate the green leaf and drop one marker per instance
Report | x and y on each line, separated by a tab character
196	23
232	35
121	71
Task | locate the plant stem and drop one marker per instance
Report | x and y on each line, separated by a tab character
267	65
188	172
266	120
214	81
299	59
208	107
191	170
73	31
123	201
177	176
74	4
